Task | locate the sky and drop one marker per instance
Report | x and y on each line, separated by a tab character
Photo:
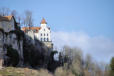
87	24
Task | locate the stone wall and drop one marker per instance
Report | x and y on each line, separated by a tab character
7	26
49	44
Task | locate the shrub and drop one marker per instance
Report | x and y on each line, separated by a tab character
112	67
13	56
62	72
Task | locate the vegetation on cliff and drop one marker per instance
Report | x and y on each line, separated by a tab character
13	57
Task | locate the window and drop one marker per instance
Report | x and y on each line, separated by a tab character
41	39
47	39
47	34
34	31
44	29
44	34
44	39
41	34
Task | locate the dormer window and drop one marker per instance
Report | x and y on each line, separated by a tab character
34	31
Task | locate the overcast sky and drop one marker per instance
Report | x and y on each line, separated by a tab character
87	24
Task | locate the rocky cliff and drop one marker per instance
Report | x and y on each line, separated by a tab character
19	49
14	40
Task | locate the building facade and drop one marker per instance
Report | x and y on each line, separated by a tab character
42	33
7	23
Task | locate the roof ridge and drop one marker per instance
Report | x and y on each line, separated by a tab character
6	18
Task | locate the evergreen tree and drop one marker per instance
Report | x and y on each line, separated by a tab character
112	67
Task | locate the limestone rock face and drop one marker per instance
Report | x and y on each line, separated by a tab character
10	35
11	39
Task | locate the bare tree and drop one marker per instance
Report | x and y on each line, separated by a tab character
28	20
17	16
14	13
107	70
4	11
72	59
88	62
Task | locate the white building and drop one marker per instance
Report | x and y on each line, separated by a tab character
42	33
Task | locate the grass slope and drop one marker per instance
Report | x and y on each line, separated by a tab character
11	71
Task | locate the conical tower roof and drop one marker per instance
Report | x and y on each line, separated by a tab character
43	21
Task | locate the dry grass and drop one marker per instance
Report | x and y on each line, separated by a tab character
11	71
62	72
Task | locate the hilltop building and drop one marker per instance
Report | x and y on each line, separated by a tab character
42	33
8	21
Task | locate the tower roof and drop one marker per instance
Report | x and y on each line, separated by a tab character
43	21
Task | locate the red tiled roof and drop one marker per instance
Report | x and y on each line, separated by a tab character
5	18
31	28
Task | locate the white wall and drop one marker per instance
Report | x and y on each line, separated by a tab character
45	31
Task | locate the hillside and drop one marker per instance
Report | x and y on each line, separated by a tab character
11	71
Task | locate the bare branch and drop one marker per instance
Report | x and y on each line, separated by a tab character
4	11
28	20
